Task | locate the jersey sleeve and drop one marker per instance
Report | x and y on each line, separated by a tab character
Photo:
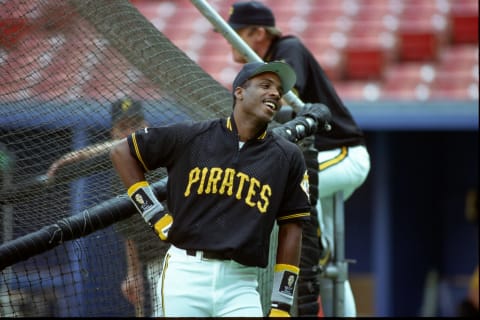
296	203
159	146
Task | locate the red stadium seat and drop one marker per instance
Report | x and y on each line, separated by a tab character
348	39
464	21
358	90
457	74
422	31
364	62
408	81
417	41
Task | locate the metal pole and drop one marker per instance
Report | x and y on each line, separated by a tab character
337	269
339	235
237	42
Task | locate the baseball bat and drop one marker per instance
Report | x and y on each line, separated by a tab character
79	225
237	42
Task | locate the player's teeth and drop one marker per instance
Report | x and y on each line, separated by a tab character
271	105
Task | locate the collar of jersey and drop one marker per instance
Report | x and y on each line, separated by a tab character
233	128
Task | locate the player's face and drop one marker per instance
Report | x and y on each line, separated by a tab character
261	97
248	35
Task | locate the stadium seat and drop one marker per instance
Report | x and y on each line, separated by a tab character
153	10
417	41
422	31
349	40
457	73
358	90
408	81
464	21
11	30
364	59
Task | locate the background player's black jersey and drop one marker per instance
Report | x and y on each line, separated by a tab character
224	198
313	86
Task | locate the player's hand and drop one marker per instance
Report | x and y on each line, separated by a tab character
286	113
277	313
319	112
132	289
52	170
284	132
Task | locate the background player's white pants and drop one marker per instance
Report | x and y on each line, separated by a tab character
345	172
194	287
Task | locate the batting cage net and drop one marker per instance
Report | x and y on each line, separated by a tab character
68	70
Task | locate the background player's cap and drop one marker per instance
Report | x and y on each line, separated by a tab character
126	108
283	70
251	13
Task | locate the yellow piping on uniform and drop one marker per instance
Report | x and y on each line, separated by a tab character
343	154
296	215
137	152
165	267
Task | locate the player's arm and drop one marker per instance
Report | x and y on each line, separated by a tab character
132	286
141	194
128	168
287	263
289	243
80	155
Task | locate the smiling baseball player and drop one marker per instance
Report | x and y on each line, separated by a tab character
229	181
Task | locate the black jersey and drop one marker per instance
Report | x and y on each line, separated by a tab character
224	198
313	86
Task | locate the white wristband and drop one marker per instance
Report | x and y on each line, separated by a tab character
284	283
144	200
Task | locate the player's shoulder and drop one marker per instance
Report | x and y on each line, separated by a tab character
285	147
199	125
289	39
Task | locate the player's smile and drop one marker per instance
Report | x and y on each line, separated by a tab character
272	104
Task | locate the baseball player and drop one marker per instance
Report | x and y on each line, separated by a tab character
229	181
339	161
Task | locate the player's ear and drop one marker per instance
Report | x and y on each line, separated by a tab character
238	93
261	33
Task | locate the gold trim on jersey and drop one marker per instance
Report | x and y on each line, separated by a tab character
328	163
137	152
230	127
295	215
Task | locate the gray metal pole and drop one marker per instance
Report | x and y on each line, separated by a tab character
337	270
339	235
237	42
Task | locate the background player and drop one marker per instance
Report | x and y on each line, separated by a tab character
341	159
229	180
127	116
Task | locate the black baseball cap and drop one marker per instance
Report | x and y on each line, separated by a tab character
251	13
283	70
126	108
